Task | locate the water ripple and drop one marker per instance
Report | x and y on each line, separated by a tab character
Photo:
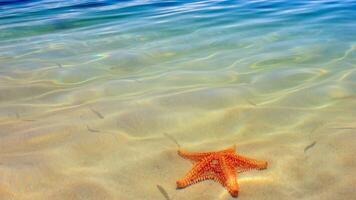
89	88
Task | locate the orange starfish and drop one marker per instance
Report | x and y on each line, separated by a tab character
221	166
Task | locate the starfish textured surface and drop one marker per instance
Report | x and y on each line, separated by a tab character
220	166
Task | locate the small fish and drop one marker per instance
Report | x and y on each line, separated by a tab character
309	146
97	113
344	128
163	192
28	120
172	138
348	97
92	130
251	103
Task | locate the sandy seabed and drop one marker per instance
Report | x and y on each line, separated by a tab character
124	147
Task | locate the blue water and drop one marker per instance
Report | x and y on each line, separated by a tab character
24	19
89	91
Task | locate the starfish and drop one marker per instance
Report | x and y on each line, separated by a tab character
220	166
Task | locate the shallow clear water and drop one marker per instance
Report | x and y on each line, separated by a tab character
93	95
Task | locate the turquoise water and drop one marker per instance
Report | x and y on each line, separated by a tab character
92	93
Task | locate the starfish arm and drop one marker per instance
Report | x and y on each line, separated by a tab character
199	172
199	156
230	178
193	156
249	163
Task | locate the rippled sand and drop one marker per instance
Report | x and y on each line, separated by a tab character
93	145
94	107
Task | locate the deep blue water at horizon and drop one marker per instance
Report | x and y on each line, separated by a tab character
20	19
